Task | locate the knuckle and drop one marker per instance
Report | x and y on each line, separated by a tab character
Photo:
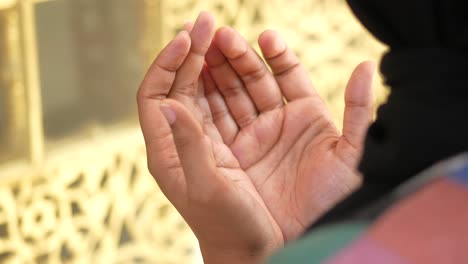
235	52
160	143
189	90
219	114
285	67
283	62
245	120
168	164
162	138
232	89
200	50
154	87
271	104
207	119
182	143
174	166
170	66
254	75
204	109
357	103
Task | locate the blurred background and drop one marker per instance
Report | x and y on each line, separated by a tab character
74	187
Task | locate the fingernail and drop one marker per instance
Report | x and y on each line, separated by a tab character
188	25
168	113
182	32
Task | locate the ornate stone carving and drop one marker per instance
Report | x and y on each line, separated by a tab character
92	203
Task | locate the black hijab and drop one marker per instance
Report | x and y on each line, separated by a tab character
425	117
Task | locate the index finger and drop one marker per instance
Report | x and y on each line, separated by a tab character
162	72
185	83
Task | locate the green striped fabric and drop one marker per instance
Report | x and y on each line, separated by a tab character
319	245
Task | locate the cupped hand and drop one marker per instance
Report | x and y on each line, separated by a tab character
194	168
279	129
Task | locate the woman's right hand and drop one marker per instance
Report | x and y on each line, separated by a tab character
194	168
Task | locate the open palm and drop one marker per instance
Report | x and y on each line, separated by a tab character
248	157
194	168
295	156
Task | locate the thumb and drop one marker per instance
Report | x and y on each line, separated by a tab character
359	104
193	146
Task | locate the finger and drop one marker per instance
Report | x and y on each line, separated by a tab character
161	74
206	117
188	26
193	147
222	119
255	75
161	152
162	157
185	84
290	74
231	87
359	103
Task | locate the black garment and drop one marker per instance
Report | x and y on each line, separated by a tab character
425	119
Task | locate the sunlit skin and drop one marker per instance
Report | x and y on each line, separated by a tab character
247	154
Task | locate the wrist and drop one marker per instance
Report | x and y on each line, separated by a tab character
244	255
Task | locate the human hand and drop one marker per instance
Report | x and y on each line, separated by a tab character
194	168
299	162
